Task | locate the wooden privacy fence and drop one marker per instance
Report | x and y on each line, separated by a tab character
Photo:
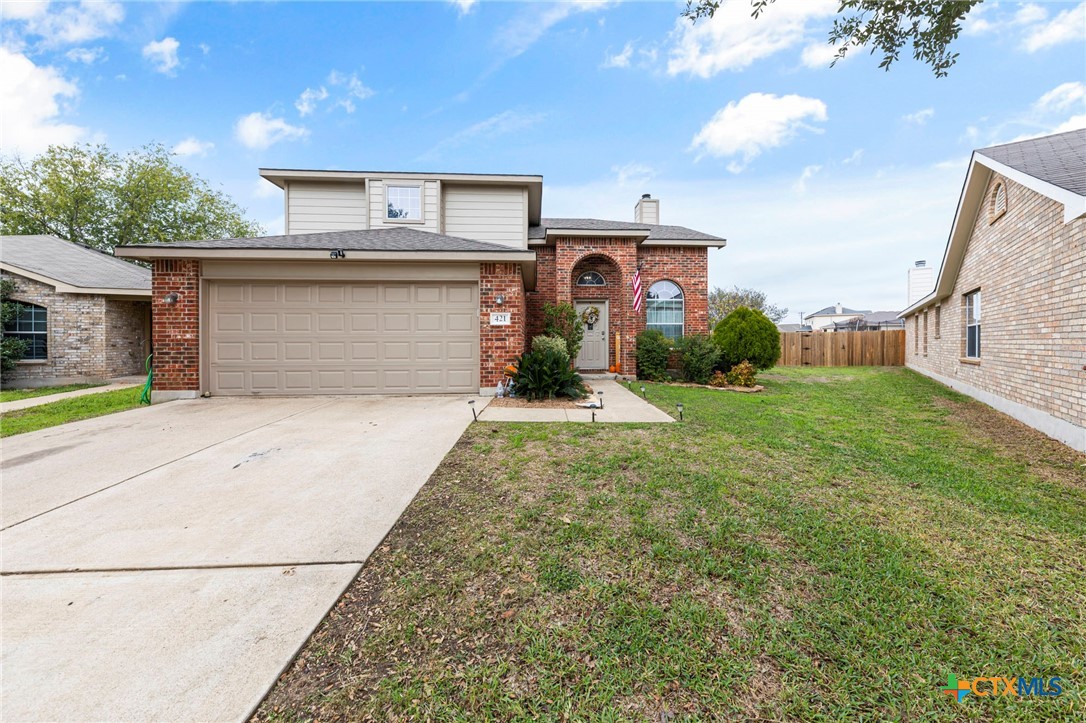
843	348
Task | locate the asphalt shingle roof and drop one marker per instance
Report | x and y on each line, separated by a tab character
72	263
833	310
374	239
1059	159
656	232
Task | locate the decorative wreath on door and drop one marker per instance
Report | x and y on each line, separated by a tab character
590	315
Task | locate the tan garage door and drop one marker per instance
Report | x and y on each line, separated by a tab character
342	338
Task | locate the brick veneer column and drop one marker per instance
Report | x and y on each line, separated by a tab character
500	345
175	328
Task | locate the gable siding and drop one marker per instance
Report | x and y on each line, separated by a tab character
487	213
1030	268
318	206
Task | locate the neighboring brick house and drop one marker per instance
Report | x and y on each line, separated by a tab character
85	314
411	283
1006	323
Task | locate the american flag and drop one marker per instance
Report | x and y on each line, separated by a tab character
637	290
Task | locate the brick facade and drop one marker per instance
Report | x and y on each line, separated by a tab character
176	327
90	337
1030	268
560	265
499	345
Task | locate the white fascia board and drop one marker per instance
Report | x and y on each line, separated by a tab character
175	252
686	242
1074	205
595	233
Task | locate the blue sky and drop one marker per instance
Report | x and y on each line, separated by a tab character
827	182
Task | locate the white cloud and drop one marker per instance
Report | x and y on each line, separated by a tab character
732	39
85	55
856	157
65	23
808	173
1029	13
633	174
619	60
535	21
920	117
490	128
192	146
163	54
757	122
264	188
307	101
1074	123
261	130
464	6
30	96
820	55
204	48
1066	27
356	89
1063	97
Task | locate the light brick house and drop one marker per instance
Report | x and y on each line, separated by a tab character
85	314
1006	322
410	283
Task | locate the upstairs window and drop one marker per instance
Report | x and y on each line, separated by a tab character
665	309
997	203
972	325
30	326
404	203
591	278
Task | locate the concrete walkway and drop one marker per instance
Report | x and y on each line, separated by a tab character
114	384
619	405
167	563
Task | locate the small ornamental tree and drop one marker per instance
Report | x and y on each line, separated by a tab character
747	335
564	321
11	349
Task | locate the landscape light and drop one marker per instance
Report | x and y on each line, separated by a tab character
643	391
600	395
680	408
471	403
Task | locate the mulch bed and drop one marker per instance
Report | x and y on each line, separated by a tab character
522	403
729	388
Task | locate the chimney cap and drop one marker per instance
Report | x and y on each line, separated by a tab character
921	263
646	195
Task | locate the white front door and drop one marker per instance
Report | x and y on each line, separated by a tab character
595	344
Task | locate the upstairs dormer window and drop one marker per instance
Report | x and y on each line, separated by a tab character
591	278
404	203
997	203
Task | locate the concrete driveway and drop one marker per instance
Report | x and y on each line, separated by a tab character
167	563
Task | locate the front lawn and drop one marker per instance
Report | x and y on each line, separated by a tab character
829	549
13	395
68	410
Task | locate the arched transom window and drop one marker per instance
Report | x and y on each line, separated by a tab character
591	278
665	309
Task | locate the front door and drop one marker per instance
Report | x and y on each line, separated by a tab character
594	346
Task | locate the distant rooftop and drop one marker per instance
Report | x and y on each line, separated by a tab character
657	232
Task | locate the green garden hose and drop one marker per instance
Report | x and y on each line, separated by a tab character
145	397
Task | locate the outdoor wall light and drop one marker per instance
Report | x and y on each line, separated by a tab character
471	403
171	298
499	299
337	254
600	395
679	406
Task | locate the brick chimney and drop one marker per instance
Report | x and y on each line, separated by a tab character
647	210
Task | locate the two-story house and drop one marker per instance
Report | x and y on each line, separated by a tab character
390	283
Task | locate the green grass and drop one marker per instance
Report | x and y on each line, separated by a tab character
68	410
827	550
13	395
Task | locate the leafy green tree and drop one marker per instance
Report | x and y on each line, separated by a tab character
724	301
11	349
747	335
885	26
90	195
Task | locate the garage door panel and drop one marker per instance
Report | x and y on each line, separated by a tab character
349	338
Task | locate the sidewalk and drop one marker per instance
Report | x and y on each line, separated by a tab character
619	405
114	384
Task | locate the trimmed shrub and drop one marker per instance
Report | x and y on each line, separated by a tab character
547	374
742	375
747	335
719	379
551	343
653	349
699	356
563	321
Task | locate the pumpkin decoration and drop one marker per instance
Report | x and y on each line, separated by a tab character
611	369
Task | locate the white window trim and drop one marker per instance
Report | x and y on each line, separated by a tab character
422	202
682	329
966	308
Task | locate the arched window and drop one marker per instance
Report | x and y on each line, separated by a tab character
997	205
591	278
664	309
30	326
